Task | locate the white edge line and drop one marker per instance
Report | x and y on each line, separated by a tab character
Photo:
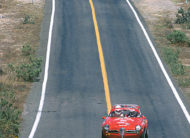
161	65
38	116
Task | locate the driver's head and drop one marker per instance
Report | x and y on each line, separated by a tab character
133	114
118	112
118	106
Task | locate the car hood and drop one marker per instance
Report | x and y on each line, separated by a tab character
127	123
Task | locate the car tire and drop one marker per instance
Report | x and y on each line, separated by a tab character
143	134
103	135
146	134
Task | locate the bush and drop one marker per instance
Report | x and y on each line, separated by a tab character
27	50
183	16
187	25
171	58
177	37
184	82
177	69
11	67
170	55
9	115
1	71
188	42
29	71
28	20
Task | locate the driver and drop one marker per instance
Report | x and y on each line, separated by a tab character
133	114
119	113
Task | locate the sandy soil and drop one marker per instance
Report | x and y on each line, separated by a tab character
154	9
11	18
30	1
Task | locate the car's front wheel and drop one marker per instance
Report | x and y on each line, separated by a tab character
103	135
146	134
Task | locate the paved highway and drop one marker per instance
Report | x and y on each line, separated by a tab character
75	97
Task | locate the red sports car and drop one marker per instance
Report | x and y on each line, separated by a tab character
125	121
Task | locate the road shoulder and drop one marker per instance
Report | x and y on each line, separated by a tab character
33	98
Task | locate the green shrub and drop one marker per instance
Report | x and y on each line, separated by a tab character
183	16
187	26
177	69
171	58
184	82
11	67
177	37
1	71
170	55
188	42
28	20
27	50
29	71
36	61
9	115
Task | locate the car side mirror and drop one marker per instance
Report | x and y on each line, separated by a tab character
103	117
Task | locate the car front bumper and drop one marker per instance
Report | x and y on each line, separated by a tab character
117	135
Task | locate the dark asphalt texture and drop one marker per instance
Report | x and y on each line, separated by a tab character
75	98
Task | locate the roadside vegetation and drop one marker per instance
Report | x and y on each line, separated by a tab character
178	41
171	58
9	113
19	66
170	27
30	68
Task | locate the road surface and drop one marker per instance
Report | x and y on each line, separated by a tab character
75	97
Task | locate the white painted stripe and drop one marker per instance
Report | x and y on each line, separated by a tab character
39	113
161	65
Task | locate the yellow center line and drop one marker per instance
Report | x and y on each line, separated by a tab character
101	56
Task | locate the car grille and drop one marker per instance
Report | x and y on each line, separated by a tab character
128	131
113	131
131	131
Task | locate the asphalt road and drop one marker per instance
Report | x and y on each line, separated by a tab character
75	97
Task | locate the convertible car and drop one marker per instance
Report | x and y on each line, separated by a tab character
125	121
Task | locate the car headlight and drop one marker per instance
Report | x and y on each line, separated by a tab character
138	128
106	127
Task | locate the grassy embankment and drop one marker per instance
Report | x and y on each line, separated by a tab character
19	66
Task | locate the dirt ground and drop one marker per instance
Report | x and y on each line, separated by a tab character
30	1
13	33
152	10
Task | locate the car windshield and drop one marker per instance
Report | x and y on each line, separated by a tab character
124	113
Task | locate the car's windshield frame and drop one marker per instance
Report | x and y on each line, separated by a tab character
124	113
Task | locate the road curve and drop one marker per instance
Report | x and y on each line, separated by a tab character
75	97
